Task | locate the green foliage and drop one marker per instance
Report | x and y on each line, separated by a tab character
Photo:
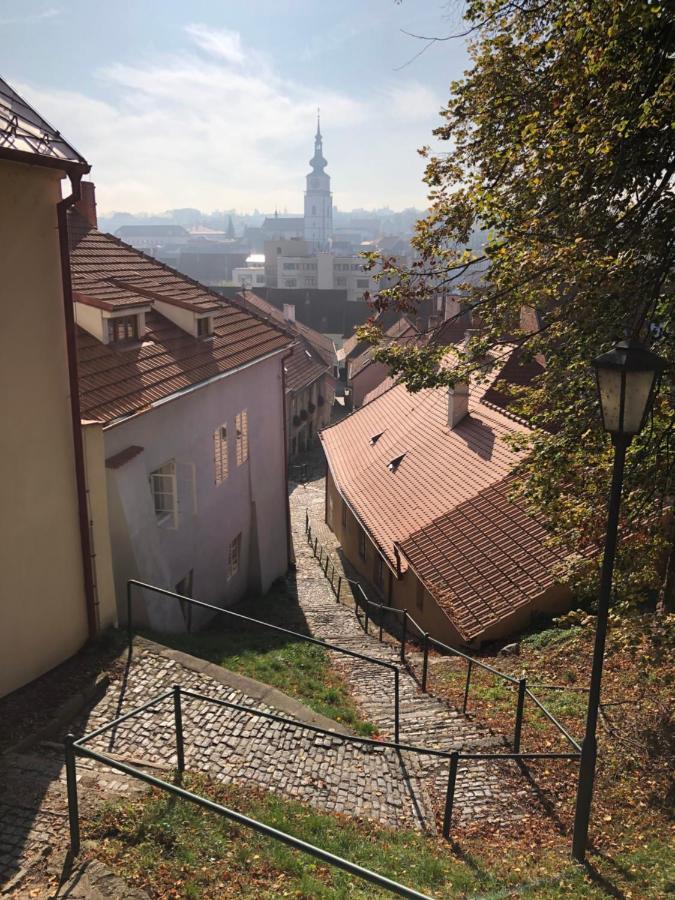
562	146
173	849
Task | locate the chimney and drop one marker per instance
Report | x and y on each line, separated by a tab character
458	403
289	312
86	205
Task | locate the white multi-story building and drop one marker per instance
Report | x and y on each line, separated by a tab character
189	390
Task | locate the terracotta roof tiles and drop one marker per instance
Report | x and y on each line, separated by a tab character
446	503
117	381
483	560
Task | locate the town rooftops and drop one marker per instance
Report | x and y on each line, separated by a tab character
25	136
314	354
402	330
117	382
438	498
483	560
139	231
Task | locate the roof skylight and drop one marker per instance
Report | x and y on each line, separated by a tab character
395	462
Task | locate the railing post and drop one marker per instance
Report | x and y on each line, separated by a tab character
381	620
467	686
367	606
316	541
339	587
325	571
306	521
71	786
404	629
425	664
396	707
130	629
178	719
450	796
522	687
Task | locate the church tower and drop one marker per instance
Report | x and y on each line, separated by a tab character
318	198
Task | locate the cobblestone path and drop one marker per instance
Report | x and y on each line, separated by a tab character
485	790
375	783
234	745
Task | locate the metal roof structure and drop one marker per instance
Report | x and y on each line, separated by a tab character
25	136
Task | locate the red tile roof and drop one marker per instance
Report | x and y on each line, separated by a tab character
402	331
483	560
442	468
323	345
118	381
108	295
445	503
303	368
313	354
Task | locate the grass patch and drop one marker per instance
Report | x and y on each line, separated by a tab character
172	849
295	667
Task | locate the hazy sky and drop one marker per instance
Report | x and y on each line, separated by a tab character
212	103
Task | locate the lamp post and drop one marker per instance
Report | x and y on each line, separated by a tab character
627	377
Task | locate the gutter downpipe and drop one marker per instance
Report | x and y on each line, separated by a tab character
78	447
284	474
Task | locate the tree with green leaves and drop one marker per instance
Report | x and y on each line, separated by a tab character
561	145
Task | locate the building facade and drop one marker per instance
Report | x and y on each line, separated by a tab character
189	390
310	375
419	493
55	556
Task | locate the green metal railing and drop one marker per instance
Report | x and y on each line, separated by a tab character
75	747
426	642
335	648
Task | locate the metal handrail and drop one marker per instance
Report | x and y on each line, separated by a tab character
427	641
132	582
555	721
73	749
75	746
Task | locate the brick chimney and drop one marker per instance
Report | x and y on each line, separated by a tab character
458	403
86	205
289	312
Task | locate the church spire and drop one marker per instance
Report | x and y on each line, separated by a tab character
318	162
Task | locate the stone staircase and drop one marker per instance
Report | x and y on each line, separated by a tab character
492	791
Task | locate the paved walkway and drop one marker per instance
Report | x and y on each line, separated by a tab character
376	783
486	791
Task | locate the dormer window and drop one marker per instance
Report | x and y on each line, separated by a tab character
375	438
204	327
122	328
395	462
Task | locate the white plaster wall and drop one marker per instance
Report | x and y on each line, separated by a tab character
182	429
91	319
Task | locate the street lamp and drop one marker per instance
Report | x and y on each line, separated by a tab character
627	378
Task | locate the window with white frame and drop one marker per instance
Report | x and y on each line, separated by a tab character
164	494
234	557
241	425
220	459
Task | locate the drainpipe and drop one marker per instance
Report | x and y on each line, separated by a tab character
289	545
71	346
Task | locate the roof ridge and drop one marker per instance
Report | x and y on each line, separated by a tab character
222	299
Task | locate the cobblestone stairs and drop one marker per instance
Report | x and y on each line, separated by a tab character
491	791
